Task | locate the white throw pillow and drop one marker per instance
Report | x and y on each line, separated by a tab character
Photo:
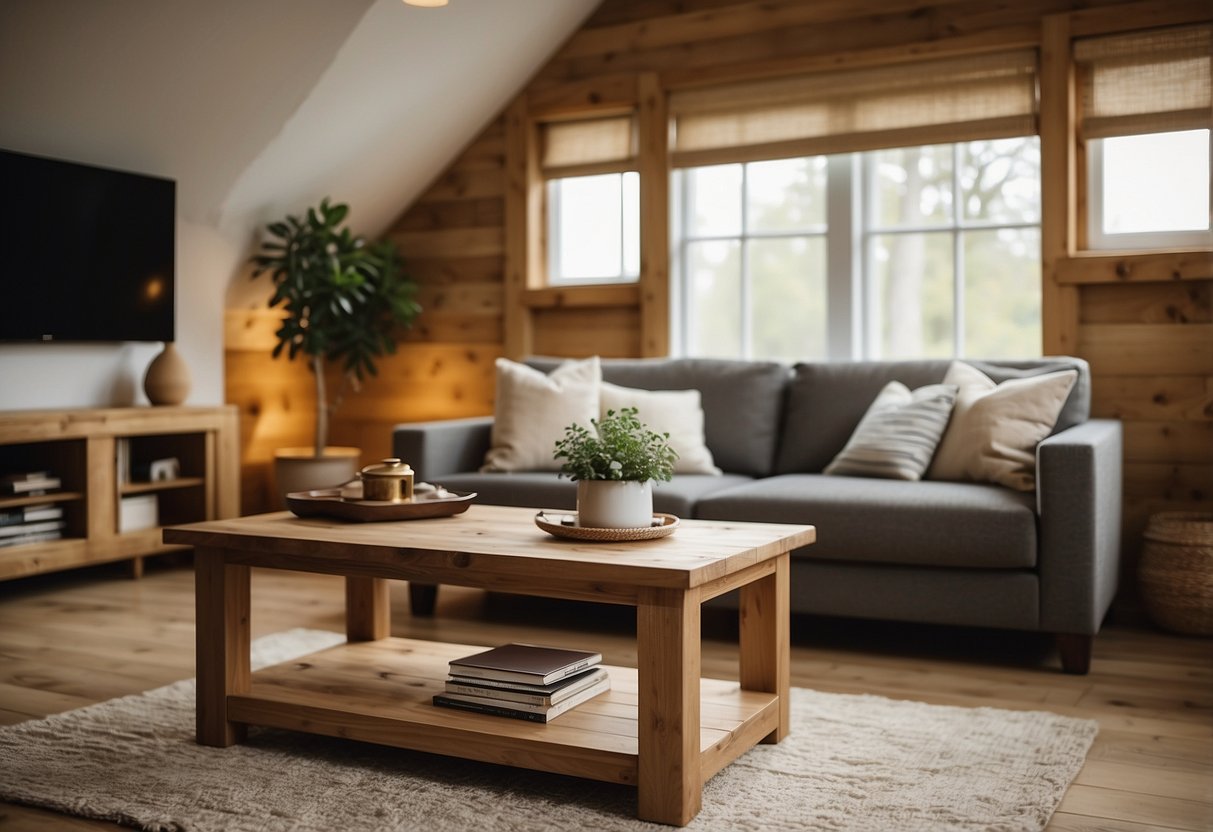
897	436
676	412
995	428
533	409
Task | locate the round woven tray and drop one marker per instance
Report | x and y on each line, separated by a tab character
1176	571
554	527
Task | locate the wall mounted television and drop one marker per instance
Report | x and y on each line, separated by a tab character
88	252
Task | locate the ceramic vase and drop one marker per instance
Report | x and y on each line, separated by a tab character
167	380
612	504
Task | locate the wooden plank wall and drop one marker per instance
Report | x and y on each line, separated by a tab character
1149	339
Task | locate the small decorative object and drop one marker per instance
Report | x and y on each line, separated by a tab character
390	481
1176	571
614	467
167	380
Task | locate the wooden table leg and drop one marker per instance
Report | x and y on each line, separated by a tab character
222	648
368	609
764	639
669	783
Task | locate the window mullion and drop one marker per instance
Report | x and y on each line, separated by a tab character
747	329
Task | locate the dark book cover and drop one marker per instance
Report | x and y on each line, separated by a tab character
529	663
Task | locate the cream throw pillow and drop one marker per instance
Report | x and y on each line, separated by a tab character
676	412
898	434
533	409
995	427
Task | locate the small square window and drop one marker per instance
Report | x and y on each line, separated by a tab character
594	228
1150	191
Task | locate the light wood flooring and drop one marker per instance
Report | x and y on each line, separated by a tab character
77	638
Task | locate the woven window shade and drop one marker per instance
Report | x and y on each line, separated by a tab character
1145	82
581	148
929	102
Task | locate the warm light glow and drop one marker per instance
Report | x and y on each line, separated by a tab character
430	4
154	288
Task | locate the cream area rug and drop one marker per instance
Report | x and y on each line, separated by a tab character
850	763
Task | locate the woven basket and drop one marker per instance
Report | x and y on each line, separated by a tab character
1176	571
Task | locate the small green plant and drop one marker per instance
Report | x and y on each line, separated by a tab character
620	447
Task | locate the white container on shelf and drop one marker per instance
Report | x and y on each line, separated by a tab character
137	512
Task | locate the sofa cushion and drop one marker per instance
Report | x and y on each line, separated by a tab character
995	428
540	489
891	521
826	400
742	401
896	438
533	409
678	413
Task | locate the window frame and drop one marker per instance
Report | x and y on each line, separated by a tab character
551	195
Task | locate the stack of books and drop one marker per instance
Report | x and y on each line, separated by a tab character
524	681
30	524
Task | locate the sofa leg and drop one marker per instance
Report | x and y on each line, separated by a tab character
422	598
1075	650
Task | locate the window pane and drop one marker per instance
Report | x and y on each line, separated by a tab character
786	195
1002	293
589	228
713	201
1158	182
1000	180
911	186
714	299
788	291
911	306
631	224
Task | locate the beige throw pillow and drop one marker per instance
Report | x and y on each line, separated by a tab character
995	427
898	434
533	409
676	412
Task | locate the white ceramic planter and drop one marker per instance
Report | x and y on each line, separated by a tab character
610	504
299	469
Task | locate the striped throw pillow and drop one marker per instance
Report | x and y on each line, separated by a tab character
898	435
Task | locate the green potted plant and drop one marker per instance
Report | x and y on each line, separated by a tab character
614	466
346	299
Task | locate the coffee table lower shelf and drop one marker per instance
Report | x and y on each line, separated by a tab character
380	692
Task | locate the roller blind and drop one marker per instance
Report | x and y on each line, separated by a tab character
588	146
1145	82
927	102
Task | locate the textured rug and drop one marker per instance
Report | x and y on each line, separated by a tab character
851	763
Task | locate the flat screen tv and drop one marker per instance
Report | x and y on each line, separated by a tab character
86	253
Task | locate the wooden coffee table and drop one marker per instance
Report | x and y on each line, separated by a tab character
660	728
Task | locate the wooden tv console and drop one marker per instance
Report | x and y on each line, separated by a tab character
81	447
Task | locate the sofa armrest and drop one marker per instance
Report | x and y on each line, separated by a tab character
1078	492
436	449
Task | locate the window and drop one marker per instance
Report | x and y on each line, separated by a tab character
906	253
593	200
594	228
1145	106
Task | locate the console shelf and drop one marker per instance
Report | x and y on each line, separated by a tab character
82	448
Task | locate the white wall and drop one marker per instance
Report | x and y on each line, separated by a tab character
256	108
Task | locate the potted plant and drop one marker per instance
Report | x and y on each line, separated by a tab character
614	466
345	301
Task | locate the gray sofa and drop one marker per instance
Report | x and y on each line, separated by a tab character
935	552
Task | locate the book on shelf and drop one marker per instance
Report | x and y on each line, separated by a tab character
522	710
507	692
528	663
28	484
31	528
30	514
30	537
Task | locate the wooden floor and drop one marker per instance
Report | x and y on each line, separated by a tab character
76	638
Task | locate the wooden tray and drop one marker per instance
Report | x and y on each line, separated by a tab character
328	502
551	523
